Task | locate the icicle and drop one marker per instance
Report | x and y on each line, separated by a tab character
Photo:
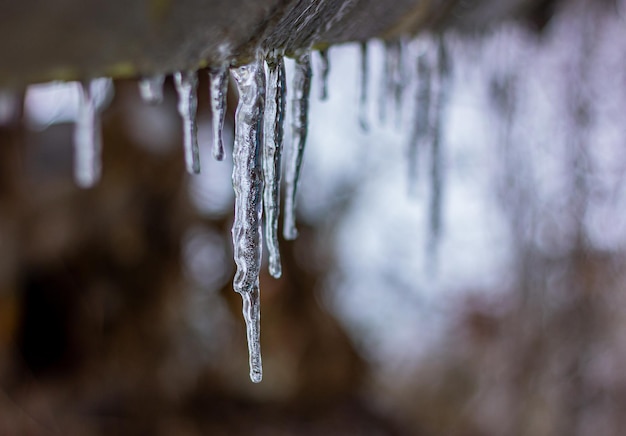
364	85
392	79
186	83
87	131
443	83
421	126
252	315
301	90
272	150
219	92
398	79
324	70
248	185
385	88
151	88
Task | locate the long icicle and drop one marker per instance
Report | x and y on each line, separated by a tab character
248	186
301	91
324	70
363	122
272	151
94	95
398	79
392	80
441	98
386	88
151	88
219	91
421	128
186	83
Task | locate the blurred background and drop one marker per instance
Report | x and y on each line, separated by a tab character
117	314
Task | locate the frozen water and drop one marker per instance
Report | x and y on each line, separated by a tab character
393	80
252	315
437	177
151	88
301	90
186	83
272	151
363	89
94	96
324	70
395	77
248	186
422	113
219	92
87	142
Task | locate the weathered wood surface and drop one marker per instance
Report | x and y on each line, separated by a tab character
43	40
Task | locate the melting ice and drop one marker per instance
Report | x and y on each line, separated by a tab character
186	83
259	131
301	90
324	70
272	151
363	89
151	88
393	82
421	130
440	100
248	186
94	96
219	90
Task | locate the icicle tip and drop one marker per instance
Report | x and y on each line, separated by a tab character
256	376
275	268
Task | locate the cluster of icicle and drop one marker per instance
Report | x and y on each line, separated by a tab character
258	145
